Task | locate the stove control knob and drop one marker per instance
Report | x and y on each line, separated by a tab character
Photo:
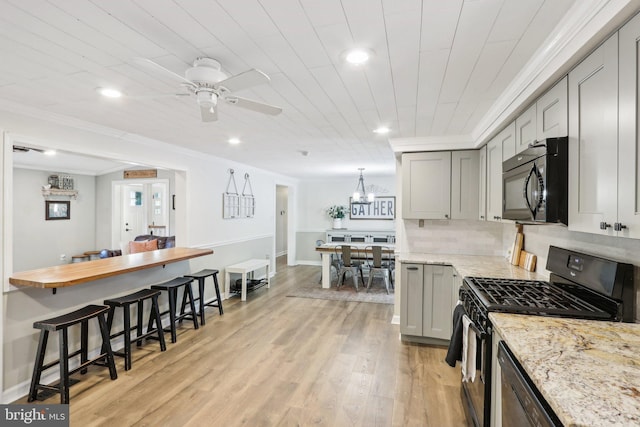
604	225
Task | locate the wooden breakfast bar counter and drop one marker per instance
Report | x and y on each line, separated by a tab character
76	273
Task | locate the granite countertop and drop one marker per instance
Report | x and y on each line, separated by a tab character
587	370
474	265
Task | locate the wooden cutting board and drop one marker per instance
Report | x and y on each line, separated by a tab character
517	248
527	261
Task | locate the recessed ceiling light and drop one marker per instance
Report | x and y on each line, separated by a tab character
109	92
357	56
49	152
234	141
382	130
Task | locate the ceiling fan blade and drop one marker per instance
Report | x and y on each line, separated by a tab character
209	114
253	105
149	64
158	95
244	80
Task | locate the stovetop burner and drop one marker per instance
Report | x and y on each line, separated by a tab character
532	297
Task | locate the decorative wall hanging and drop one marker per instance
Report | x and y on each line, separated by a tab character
140	173
380	208
248	201
62	182
231	199
236	205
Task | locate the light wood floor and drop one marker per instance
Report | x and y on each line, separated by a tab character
278	361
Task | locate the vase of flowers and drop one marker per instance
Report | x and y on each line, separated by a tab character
337	212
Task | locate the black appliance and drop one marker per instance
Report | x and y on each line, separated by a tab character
580	286
535	183
522	403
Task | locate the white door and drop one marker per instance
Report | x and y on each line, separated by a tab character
133	206
140	207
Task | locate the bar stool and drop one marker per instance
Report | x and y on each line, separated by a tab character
125	302
61	324
172	290
217	302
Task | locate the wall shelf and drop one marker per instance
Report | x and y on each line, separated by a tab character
58	192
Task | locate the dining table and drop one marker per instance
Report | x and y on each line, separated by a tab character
360	251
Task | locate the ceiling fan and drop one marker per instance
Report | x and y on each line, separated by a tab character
206	80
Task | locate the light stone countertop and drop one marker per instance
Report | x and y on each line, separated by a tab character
475	265
587	370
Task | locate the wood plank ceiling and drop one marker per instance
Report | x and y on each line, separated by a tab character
438	66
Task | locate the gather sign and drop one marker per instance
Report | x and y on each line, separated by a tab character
380	208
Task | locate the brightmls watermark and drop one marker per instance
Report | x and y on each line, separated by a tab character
34	415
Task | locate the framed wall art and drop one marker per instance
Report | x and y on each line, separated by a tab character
57	210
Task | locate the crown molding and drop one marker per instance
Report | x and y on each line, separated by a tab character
431	143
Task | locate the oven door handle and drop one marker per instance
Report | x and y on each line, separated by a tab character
480	334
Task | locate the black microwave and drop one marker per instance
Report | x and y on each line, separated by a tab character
535	183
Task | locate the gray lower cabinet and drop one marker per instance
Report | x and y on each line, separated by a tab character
427	299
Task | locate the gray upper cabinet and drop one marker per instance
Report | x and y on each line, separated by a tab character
552	112
526	129
593	140
482	184
440	185
629	139
426	185
507	138
494	180
464	192
546	118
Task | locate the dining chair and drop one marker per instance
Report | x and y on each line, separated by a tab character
377	265
349	264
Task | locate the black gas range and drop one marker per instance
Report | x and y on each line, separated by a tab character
580	286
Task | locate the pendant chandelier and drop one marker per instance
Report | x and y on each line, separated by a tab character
360	194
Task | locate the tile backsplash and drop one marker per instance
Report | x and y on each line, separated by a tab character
453	237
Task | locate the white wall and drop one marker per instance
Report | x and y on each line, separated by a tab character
40	243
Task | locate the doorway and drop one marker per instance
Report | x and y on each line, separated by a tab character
282	220
139	207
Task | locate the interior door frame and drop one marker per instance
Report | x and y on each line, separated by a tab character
116	206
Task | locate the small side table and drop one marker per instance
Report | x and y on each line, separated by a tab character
244	268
